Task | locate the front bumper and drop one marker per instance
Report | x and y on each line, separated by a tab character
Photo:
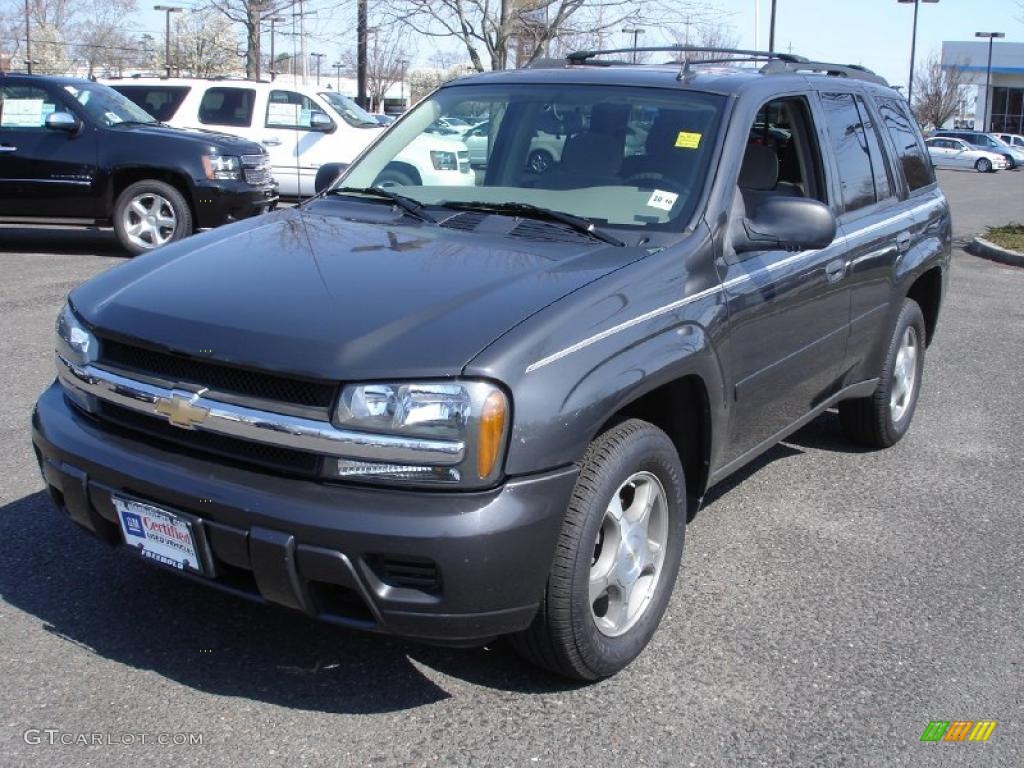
221	202
441	567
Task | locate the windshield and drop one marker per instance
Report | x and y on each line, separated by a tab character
616	155
349	111
106	106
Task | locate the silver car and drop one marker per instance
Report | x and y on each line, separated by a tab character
1013	139
957	153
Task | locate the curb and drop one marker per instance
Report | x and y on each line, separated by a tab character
979	246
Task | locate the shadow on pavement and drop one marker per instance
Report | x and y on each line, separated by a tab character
60	241
102	599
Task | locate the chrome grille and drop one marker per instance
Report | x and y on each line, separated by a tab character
257	169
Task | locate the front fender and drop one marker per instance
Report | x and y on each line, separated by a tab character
571	367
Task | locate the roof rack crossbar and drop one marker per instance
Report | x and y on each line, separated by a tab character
582	57
852	71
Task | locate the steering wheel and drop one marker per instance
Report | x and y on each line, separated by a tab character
662	181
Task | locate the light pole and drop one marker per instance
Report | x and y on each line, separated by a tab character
318	57
337	73
403	63
771	30
988	75
168	9
361	25
274	21
635	32
28	41
913	46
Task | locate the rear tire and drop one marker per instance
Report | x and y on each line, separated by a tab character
149	214
983	165
882	419
617	556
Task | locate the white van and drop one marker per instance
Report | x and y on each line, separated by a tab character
302	128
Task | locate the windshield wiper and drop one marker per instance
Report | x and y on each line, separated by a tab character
413	207
528	210
138	122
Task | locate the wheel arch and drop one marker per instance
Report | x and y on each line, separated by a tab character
404	167
122	178
926	290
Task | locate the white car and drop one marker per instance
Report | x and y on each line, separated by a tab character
957	153
545	148
302	127
1013	139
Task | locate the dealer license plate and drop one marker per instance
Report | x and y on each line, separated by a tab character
158	534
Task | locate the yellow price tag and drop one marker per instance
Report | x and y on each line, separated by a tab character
687	140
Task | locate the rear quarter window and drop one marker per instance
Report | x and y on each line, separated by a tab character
906	137
160	101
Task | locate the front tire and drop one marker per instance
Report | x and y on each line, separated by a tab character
984	165
882	419
539	160
149	214
617	556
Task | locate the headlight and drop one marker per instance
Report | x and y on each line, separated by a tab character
468	419
74	342
444	161
218	166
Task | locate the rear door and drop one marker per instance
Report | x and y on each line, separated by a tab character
161	101
44	173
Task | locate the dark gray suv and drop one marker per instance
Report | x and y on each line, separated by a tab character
453	413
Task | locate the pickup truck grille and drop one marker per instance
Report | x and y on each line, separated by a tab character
464	161
257	169
181	369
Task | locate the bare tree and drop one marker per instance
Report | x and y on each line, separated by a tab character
491	31
389	47
704	32
249	14
937	91
100	36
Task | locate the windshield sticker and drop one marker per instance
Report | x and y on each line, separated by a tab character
687	140
22	113
113	118
662	200
283	114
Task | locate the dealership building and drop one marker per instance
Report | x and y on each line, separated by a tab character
1004	101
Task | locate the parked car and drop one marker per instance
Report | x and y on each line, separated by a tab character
1013	139
545	148
989	142
957	153
76	152
384	120
302	127
453	412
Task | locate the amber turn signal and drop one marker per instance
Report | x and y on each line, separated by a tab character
492	427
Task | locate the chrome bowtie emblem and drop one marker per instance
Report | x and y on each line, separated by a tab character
180	411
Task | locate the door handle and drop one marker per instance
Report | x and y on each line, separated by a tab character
271	142
835	270
7	148
903	242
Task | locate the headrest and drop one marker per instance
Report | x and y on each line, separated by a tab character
760	169
594	153
665	129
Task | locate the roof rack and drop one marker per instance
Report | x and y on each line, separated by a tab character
853	71
584	57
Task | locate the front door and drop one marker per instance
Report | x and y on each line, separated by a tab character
43	172
789	312
293	142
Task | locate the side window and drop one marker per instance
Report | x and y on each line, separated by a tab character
850	147
287	109
907	139
227	106
25	107
884	187
782	155
159	101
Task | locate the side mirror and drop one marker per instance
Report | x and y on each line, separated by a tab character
62	121
327	174
318	121
786	223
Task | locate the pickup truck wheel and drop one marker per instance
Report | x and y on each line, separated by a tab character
881	420
617	556
392	177
149	214
539	160
984	165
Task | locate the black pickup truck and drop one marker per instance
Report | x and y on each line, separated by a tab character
453	413
77	152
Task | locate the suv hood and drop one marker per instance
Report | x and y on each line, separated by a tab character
234	145
314	293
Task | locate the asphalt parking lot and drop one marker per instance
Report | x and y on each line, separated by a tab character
832	602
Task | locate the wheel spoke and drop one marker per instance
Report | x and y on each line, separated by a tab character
598	587
166	221
138	208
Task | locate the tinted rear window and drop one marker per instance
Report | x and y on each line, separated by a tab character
908	142
227	106
161	101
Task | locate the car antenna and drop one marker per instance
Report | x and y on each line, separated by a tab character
684	70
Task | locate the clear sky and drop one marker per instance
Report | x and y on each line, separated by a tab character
875	33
